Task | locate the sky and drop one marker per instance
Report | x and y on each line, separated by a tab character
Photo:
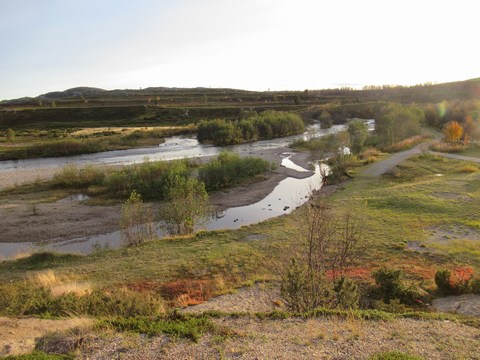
50	45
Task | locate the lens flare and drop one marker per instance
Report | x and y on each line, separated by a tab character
442	109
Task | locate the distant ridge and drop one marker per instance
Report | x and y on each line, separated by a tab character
73	92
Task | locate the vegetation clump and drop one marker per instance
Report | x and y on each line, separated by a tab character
315	276
229	170
266	125
136	221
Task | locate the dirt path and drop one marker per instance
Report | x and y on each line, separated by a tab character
385	165
19	336
456	156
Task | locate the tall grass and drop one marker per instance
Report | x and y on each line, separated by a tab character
70	176
55	148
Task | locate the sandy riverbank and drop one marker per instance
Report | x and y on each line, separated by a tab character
23	219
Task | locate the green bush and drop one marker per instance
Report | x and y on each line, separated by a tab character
150	179
389	286
267	125
442	280
455	283
229	170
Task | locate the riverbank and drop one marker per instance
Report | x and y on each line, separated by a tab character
52	217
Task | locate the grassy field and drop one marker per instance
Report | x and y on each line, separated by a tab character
427	194
46	143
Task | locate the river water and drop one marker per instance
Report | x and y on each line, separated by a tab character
177	147
285	197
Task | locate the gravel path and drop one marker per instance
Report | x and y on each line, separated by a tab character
322	338
383	166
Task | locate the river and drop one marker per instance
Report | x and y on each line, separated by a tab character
285	197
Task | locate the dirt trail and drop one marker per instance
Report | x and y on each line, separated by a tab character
19	336
385	165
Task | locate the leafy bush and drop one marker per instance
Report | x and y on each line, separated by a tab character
389	286
456	282
267	125
151	179
229	169
187	206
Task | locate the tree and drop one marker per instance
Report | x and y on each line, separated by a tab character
187	206
396	122
453	131
315	276
136	221
326	120
358	134
10	135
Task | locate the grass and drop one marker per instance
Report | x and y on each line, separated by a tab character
397	210
39	355
52	143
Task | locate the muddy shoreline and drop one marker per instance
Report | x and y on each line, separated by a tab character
56	221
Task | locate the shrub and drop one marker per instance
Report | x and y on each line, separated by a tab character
456	282
267	125
329	245
390	287
187	206
229	169
151	179
136	221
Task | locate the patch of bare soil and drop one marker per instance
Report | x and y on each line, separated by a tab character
257	298
19	336
467	304
443	235
56	221
322	338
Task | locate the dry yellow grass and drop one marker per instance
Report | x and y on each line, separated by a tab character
120	130
59	286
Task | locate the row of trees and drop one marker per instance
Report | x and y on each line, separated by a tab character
266	125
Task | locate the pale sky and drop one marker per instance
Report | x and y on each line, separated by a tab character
49	45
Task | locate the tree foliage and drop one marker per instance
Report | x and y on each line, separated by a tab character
187	206
453	131
396	122
358	134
